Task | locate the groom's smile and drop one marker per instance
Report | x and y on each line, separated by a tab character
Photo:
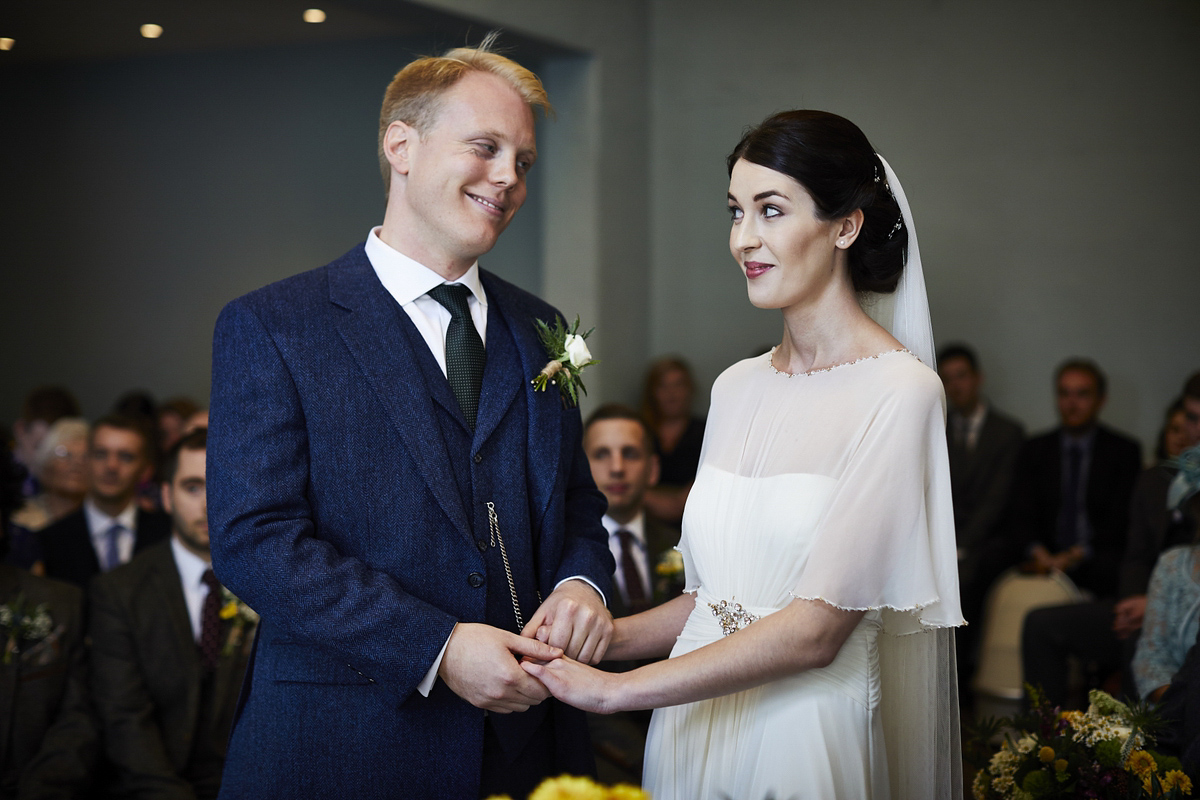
462	179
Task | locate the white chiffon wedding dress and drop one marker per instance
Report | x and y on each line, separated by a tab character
830	486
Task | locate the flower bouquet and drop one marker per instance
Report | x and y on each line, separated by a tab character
567	787
1100	753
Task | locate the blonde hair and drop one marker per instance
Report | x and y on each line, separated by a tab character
414	96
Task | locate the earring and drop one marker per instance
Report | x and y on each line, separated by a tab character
841	242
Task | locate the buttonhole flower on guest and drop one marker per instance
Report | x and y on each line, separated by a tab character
23	623
243	619
569	356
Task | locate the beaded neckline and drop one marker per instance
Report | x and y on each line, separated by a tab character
771	365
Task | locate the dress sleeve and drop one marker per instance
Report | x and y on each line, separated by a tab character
886	540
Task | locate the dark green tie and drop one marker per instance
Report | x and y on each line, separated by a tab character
464	349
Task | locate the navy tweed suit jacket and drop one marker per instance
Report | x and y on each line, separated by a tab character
334	512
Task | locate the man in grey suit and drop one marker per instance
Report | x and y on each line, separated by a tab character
983	445
166	666
620	450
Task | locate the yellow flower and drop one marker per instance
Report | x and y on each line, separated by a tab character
1046	754
1175	779
1141	763
229	610
623	791
1060	765
567	787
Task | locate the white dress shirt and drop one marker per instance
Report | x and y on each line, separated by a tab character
99	524
408	282
641	557
191	574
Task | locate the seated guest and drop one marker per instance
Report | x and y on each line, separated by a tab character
48	734
1069	506
173	416
1180	713
667	408
983	445
166	666
199	419
60	466
110	527
41	408
1172	619
620	451
1102	632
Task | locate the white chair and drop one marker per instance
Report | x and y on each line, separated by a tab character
999	680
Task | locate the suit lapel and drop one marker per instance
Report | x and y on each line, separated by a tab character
545	427
373	331
168	590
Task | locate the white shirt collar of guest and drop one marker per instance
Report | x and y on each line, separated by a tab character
191	574
636	526
99	522
406	279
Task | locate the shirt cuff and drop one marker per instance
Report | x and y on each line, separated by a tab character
589	583
426	684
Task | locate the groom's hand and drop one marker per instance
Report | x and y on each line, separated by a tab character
573	618
482	666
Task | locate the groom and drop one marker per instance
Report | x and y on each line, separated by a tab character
391	494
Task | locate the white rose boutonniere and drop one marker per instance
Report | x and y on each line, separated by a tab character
577	350
569	356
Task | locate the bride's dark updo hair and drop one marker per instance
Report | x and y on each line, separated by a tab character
831	158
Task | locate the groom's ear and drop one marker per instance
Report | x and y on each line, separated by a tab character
398	140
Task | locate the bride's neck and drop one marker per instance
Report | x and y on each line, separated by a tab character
833	331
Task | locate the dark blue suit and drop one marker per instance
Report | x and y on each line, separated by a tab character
348	506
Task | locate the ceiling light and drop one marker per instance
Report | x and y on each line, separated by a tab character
151	31
6	44
314	15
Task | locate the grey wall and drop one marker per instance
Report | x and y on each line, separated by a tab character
142	195
1048	150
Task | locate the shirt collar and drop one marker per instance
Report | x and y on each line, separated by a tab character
99	522
191	566
636	526
406	279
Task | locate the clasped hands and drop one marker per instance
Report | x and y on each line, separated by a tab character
484	665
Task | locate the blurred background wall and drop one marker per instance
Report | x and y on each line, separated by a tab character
1047	149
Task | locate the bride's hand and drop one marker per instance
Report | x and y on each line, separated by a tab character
577	684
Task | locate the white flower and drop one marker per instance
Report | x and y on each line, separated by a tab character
577	350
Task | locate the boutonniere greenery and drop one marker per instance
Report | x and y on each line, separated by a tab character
242	618
23	624
569	356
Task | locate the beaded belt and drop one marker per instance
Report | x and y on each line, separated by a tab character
732	616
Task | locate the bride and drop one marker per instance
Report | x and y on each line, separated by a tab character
813	656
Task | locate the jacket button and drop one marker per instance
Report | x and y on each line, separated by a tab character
475	580
478	458
482	545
